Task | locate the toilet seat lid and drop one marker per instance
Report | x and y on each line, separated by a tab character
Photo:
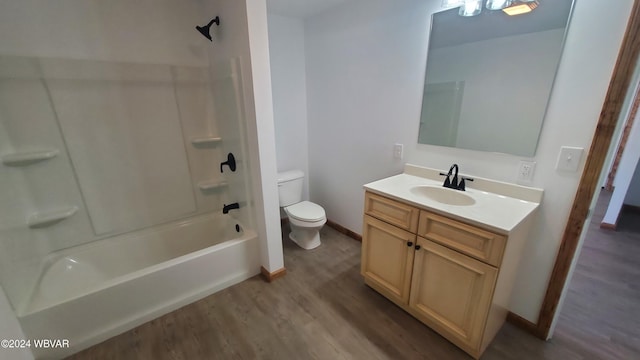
306	211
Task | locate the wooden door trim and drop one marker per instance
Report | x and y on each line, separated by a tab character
623	141
611	110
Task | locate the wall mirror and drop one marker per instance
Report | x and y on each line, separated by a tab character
489	77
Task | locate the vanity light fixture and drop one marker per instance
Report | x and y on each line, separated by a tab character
474	7
451	3
498	4
470	8
521	7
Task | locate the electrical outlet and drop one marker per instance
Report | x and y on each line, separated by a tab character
397	151
525	171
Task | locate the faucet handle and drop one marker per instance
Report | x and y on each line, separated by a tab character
461	185
447	181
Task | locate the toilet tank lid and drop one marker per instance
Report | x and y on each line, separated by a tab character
290	175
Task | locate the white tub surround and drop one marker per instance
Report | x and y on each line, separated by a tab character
110	162
90	293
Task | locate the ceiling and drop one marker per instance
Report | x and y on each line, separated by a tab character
301	8
449	29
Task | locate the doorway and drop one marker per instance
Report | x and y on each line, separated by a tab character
600	311
590	180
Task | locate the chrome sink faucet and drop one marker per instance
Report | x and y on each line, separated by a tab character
453	183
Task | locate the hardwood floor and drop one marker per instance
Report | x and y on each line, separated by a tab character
322	310
602	309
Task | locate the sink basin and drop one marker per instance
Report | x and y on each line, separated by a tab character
443	195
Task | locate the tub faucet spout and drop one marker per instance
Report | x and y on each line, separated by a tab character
226	208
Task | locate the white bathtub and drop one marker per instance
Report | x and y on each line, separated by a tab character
92	292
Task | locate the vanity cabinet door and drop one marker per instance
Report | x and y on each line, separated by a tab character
387	258
451	293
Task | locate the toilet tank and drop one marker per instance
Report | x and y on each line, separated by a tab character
290	187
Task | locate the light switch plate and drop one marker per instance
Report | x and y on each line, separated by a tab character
397	151
569	158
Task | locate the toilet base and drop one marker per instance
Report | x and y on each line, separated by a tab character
305	238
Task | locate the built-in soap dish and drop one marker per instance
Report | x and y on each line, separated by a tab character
47	218
211	185
28	157
205	142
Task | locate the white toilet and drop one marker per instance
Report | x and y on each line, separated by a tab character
306	218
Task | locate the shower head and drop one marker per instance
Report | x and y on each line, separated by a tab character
204	30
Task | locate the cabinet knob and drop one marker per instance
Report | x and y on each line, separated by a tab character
417	247
409	244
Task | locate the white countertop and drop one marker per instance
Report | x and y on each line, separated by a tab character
491	210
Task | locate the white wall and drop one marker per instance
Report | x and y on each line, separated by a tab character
288	78
262	135
625	191
365	71
633	194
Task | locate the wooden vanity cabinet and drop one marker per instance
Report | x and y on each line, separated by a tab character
442	271
387	258
451	293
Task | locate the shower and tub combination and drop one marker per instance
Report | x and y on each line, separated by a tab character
124	177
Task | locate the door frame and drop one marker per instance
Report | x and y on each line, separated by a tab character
609	116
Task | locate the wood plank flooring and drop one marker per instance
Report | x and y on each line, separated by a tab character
602	309
322	310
